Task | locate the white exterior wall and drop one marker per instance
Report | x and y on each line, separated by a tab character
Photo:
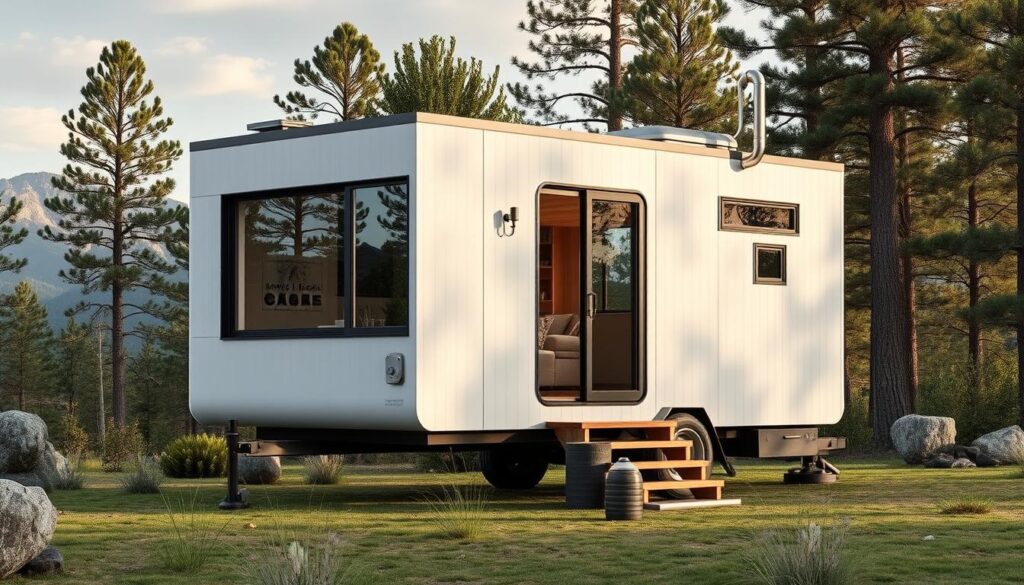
749	354
294	382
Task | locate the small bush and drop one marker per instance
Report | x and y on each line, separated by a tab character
76	438
815	556
299	561
192	536
323	469
120	446
194	456
965	504
458	510
142	478
68	476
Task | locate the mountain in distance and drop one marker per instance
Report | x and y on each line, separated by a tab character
45	258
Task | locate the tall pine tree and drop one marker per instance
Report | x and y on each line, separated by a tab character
9	236
116	217
572	37
344	71
26	359
674	80
438	82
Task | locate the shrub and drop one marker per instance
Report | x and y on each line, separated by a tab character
142	478
195	456
458	510
76	438
68	476
815	556
298	562
323	469
979	401
120	445
192	536
965	504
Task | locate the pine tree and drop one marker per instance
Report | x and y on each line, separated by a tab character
75	380
572	37
26	359
674	79
345	71
9	236
117	216
437	82
995	97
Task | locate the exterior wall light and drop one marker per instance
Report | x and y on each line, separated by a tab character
509	219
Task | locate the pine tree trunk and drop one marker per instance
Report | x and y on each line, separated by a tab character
1020	255
890	382
907	261
614	64
974	343
117	355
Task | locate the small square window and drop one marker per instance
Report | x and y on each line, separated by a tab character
769	264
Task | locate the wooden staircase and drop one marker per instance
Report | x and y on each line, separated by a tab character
639	441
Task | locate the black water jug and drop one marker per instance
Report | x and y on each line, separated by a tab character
623	492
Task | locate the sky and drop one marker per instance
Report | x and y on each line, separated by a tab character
216	64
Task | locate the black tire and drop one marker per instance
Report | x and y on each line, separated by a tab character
513	468
688	427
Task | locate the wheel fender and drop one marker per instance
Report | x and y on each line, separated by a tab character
702	415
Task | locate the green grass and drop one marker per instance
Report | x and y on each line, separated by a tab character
966	504
387	530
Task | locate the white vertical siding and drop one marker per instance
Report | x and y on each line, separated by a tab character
685	257
450	295
515	166
327	382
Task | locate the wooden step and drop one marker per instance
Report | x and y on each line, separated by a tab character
670	464
642	424
702	489
625	445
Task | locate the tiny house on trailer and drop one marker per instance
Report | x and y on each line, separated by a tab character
419	281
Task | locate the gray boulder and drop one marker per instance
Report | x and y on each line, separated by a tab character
29	479
48	562
940	461
259	470
50	462
963	463
1005	446
27	522
22	441
917	437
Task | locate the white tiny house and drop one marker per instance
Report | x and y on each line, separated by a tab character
419	274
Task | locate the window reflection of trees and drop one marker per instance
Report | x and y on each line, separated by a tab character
765	216
301	225
612	254
382	253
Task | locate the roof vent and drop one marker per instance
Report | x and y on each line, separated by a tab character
273	125
714	139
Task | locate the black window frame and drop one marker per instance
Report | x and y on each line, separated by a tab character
229	265
758	279
795	207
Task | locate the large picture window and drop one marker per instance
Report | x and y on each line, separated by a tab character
330	261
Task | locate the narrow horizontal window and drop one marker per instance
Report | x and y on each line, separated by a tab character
769	264
758	216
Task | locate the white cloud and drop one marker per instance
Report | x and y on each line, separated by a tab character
208	6
226	74
184	46
78	52
28	129
27	37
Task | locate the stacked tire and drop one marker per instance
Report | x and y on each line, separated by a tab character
586	465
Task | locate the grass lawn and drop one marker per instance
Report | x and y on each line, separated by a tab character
387	531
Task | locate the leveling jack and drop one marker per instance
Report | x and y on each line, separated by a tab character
814	469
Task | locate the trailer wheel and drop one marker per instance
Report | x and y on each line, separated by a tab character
513	469
690	429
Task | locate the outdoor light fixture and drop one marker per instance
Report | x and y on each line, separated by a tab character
509	218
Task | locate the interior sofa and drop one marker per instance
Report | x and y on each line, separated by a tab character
559	354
